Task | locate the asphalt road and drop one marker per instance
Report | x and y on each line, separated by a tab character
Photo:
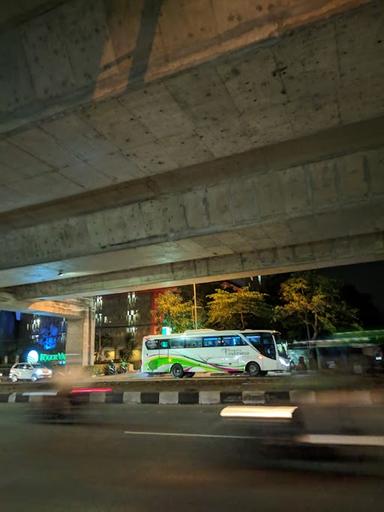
171	458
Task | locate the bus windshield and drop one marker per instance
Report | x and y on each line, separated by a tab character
280	345
263	342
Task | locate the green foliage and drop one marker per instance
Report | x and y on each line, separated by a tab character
314	301
171	310
309	304
237	309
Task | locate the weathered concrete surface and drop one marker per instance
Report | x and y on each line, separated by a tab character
64	53
343	251
352	138
314	78
259	190
278	199
262	156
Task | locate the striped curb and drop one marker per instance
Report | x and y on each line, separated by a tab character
359	397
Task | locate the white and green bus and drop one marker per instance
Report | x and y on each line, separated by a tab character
256	352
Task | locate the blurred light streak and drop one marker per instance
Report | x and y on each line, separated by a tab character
257	411
333	439
76	391
40	393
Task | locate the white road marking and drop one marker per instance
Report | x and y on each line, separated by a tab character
184	434
342	440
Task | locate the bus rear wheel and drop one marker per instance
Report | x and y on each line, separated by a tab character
253	369
177	371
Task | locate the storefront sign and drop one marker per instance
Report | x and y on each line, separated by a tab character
52	357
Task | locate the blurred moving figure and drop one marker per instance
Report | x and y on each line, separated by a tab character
301	366
342	426
65	406
70	401
342	430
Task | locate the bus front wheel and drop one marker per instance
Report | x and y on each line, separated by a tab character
253	369
177	371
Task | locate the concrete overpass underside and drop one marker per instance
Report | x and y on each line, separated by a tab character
250	142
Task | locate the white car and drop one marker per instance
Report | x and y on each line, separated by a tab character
28	371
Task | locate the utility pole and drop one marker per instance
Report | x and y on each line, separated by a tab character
195	304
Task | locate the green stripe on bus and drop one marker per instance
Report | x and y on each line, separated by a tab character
158	361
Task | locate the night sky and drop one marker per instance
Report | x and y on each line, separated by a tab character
366	278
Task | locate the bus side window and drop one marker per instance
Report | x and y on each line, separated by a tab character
232	341
193	342
164	344
212	341
255	339
177	343
152	344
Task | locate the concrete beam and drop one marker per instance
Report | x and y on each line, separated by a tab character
80	51
72	309
342	194
314	78
353	138
342	251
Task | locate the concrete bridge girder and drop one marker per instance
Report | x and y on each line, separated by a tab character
73	309
73	52
342	251
333	198
316	78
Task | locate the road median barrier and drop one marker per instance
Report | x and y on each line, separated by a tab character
210	397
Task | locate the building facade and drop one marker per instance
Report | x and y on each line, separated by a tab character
121	322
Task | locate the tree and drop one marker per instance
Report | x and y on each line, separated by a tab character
315	302
237	309
173	311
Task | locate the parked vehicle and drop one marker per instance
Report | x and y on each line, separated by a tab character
28	371
123	368
110	368
206	350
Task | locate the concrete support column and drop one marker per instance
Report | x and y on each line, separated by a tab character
80	344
